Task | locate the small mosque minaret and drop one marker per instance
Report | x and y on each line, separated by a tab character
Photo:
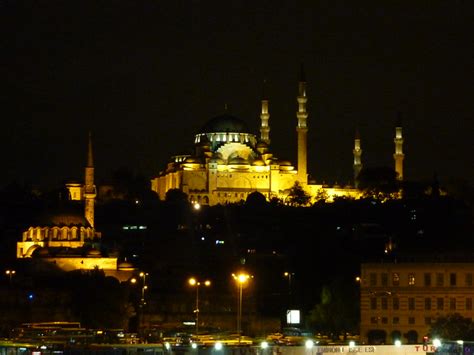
398	156
264	117
357	151
302	130
89	187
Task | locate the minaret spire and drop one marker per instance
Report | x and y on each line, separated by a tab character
357	151
89	187
302	129
398	156
264	117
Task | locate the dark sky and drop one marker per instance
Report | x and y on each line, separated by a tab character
143	76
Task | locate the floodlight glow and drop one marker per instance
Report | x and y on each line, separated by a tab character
264	345
437	342
194	345
167	346
352	344
460	342
309	344
398	343
218	346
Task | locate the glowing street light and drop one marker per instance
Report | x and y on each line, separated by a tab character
289	275
195	283
143	275
10	274
241	280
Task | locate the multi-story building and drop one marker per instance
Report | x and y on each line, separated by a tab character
402	300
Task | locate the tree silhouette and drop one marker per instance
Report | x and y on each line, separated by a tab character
452	327
298	196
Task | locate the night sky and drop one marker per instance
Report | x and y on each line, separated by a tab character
144	76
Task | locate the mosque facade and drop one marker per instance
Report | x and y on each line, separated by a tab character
229	162
67	238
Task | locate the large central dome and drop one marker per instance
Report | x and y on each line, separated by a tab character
225	123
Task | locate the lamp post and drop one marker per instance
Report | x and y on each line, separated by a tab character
195	283
143	275
241	280
289	275
10	274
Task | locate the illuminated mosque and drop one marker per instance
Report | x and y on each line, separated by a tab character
67	237
230	162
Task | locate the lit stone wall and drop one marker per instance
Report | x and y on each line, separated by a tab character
75	263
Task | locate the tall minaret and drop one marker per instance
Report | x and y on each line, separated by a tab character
302	129
265	116
357	151
398	156
89	187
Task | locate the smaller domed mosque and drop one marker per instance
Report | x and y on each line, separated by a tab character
230	162
67	238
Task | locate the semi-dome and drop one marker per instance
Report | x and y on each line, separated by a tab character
225	123
238	161
258	162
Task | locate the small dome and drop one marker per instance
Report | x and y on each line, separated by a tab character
93	252
258	162
193	160
225	123
284	163
238	161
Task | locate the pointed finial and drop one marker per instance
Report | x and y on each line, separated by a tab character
302	73
263	89
398	122
357	134
90	158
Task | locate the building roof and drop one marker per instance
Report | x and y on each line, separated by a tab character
225	123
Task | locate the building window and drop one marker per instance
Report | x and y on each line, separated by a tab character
384	279
440	303
384	320
469	279
439	280
373	320
452	279
395	320
395	279
469	304
427	279
411	320
373	279
427	304
452	304
384	303
427	320
396	304
411	303
411	279
373	303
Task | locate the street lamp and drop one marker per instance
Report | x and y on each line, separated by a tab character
241	280
289	275
10	274
143	275
195	283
